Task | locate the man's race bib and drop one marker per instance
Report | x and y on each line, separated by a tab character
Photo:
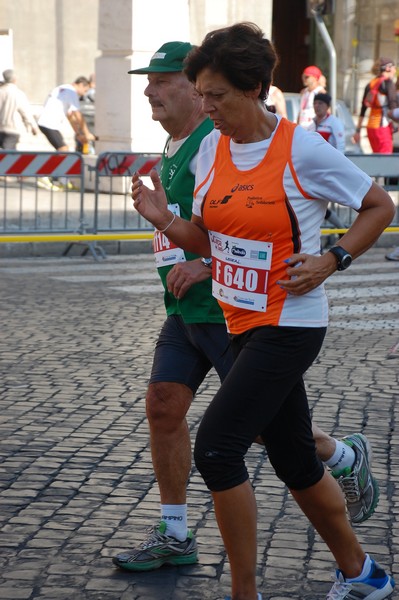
240	271
166	252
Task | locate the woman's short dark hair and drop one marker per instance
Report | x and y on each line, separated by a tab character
240	53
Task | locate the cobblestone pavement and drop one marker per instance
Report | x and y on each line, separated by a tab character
76	482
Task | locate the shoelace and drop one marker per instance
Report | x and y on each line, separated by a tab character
154	538
349	485
339	591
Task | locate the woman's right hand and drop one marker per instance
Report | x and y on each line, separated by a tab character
151	204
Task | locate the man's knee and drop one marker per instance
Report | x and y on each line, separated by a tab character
167	404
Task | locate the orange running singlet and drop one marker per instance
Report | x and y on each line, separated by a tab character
253	229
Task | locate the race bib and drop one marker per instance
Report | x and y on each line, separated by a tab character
240	271
166	252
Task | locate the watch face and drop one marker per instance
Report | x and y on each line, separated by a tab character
346	261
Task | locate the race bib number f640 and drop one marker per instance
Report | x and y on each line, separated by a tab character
240	271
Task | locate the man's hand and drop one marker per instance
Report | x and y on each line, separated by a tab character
151	204
306	272
183	275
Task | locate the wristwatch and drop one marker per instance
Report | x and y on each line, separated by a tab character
207	262
344	259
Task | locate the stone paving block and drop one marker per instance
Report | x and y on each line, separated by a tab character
12	592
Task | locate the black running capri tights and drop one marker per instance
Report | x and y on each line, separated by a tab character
263	394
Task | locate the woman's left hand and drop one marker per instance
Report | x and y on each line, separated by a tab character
306	272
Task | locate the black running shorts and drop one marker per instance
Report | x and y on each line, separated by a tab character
185	352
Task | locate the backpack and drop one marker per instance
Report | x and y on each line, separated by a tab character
370	99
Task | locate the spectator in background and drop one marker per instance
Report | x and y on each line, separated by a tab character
63	103
332	130
380	97
14	107
275	101
311	80
330	127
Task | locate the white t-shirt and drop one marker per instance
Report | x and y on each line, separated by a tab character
332	130
322	172
322	175
62	101
306	110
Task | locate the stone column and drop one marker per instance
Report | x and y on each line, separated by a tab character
129	33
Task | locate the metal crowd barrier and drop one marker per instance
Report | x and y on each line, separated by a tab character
113	202
27	205
384	168
31	214
31	201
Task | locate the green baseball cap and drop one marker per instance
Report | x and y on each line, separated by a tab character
168	59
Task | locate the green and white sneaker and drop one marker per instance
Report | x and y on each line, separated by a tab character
158	549
357	482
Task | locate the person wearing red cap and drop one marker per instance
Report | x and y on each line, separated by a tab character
310	78
380	96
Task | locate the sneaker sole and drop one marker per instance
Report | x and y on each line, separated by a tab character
151	565
374	505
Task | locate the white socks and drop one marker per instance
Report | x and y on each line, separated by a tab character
344	456
175	517
366	570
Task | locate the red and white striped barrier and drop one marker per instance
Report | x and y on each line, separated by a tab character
126	163
40	164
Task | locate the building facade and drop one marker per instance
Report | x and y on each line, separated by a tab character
49	42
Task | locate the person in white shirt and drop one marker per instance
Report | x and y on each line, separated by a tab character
330	127
275	101
14	108
332	130
311	80
63	103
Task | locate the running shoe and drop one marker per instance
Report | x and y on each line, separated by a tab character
357	482
46	184
376	586
393	255
68	186
158	549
